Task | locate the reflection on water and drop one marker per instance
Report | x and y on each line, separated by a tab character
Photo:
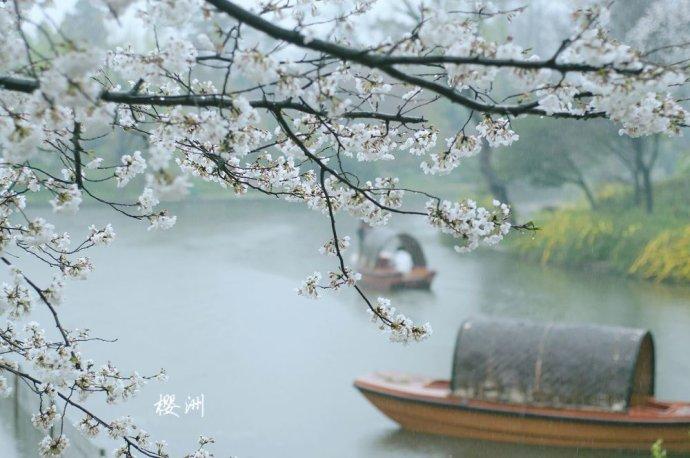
213	302
8	446
404	442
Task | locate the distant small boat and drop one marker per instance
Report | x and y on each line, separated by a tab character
545	384
389	260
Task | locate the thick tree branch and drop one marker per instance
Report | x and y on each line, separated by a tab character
550	64
210	101
77	149
372	60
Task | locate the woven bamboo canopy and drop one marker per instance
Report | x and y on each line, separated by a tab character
381	240
555	365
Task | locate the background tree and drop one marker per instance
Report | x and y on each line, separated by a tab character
497	186
638	156
551	156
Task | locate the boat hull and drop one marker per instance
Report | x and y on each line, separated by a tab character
384	280
437	412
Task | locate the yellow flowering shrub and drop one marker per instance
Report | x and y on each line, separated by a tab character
666	257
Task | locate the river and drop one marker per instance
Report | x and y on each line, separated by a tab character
212	301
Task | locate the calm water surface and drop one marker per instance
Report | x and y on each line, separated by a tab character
212	301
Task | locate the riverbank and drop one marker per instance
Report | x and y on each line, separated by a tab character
617	237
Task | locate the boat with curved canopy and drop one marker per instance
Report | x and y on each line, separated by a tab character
390	260
574	385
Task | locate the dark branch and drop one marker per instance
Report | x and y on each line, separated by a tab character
377	61
550	64
211	101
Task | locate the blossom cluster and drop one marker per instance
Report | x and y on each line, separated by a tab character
399	327
470	223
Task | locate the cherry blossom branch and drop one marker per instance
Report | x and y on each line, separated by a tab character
77	150
45	300
550	64
343	269
209	101
364	57
67	399
291	135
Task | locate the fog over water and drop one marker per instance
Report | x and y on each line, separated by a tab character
212	301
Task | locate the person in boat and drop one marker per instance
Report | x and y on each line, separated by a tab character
384	261
402	261
362	230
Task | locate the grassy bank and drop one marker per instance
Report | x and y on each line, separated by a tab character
618	237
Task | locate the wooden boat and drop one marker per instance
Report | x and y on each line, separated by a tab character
511	383
376	262
388	278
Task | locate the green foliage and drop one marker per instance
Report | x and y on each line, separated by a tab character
618	237
658	450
